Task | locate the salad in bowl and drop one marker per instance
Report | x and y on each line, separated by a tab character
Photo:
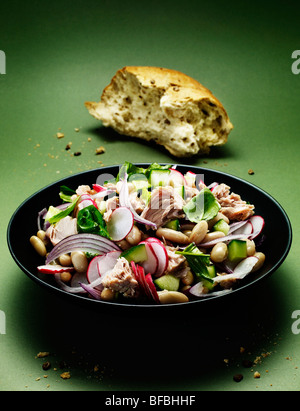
150	236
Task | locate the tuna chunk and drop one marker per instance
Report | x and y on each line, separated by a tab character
122	279
111	205
176	261
63	228
164	205
232	206
84	189
137	203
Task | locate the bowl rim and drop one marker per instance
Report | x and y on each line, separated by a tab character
206	300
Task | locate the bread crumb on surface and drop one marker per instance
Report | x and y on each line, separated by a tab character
65	375
100	150
256	374
250	172
60	135
43	354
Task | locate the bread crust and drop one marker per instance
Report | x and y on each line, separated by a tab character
178	88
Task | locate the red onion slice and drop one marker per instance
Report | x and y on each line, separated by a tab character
90	290
237	225
224	239
67	288
198	290
92	243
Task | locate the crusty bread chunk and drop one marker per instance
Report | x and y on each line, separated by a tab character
163	105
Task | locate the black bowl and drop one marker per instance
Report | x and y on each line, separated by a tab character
23	225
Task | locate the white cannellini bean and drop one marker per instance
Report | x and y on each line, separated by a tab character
219	252
172	235
135	236
199	232
261	259
38	245
79	261
172	297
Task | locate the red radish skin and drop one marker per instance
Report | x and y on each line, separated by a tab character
101	264
159	251
143	279
85	201
161	254
177	178
258	224
98	188
152	288
151	264
54	269
93	271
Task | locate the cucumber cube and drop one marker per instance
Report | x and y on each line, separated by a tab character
159	177
237	250
212	272
137	253
167	282
173	225
221	225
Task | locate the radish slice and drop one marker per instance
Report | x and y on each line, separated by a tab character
85	201
190	178
139	274
212	186
152	240
240	271
93	272
159	250
54	269
176	179
98	188
102	193
246	229
151	264
152	288
124	201
99	267
120	223
138	277
107	263
258	224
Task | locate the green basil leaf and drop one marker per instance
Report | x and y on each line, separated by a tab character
90	220
203	206
58	216
197	261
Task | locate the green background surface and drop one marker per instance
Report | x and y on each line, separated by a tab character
60	54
